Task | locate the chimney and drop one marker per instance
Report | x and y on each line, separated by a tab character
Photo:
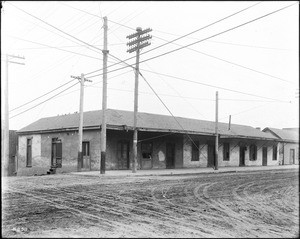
258	128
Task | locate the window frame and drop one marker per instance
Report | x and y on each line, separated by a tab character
29	159
226	150
195	151
253	149
275	150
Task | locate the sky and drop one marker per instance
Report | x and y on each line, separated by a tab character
247	51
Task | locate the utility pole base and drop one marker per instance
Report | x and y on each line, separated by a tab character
102	164
79	161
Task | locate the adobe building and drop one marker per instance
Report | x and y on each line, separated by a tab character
163	142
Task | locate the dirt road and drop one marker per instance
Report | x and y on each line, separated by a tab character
254	204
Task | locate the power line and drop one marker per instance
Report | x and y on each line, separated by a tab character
44	101
32	48
244	111
185	46
223	88
56	48
230	62
193	98
178	37
92	85
222	19
56	28
169	111
252	46
41	96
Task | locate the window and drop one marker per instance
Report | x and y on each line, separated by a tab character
29	153
147	150
226	152
274	152
86	148
195	151
253	152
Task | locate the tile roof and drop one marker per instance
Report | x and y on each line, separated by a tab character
146	121
285	134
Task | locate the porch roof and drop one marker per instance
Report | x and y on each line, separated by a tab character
120	119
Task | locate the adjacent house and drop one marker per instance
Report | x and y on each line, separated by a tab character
289	145
9	168
163	142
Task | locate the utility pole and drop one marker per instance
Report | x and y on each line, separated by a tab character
217	139
229	122
80	156
104	101
136	45
5	122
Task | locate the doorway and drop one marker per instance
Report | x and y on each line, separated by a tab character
264	156
56	153
86	159
242	155
123	154
292	156
170	155
210	155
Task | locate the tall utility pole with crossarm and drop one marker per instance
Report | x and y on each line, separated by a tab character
104	100
5	119
136	45
81	79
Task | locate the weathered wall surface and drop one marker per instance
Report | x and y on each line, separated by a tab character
42	146
38	166
158	149
286	153
234	153
41	152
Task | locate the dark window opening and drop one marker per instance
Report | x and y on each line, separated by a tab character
29	153
253	152
226	152
274	152
195	151
147	150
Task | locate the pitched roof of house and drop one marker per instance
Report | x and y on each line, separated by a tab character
152	122
285	134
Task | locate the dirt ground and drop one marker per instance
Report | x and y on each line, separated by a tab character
253	204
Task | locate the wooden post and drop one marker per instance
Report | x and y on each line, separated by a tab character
104	101
217	139
80	156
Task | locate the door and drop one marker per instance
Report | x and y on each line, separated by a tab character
211	155
123	154
292	156
86	159
170	155
242	155
264	156
56	155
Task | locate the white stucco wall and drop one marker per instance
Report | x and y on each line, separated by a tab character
37	163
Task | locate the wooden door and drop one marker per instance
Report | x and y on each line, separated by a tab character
123	154
86	159
264	156
56	155
242	155
170	155
292	156
210	155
